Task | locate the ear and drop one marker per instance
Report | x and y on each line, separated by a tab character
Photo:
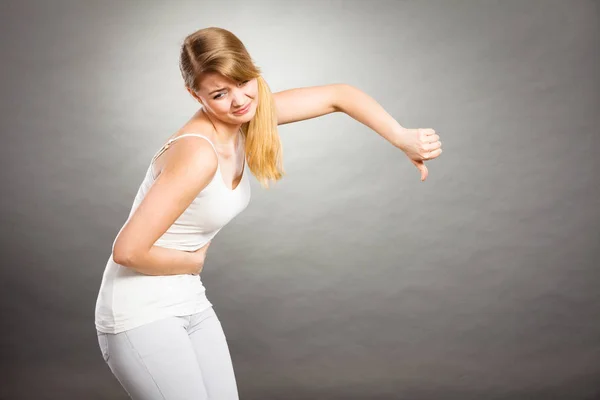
194	95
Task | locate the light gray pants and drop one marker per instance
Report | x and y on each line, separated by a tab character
177	358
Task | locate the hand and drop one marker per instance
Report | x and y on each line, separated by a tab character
199	257
419	145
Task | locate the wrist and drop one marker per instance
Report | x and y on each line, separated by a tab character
399	135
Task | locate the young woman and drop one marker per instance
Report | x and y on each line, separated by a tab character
157	331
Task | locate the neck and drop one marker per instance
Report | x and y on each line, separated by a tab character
225	134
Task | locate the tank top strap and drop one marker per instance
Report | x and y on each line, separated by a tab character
166	146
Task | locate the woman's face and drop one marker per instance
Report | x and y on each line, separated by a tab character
231	102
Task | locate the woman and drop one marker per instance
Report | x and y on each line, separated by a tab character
157	330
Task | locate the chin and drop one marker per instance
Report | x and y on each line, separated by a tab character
247	117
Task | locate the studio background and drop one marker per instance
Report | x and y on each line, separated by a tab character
350	278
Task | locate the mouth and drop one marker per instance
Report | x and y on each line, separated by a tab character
243	110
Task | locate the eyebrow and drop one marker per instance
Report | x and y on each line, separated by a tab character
216	90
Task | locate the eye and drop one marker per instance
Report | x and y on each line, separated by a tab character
218	96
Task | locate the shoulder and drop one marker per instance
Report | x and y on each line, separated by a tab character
192	158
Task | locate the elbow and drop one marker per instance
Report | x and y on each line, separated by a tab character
341	92
121	259
123	256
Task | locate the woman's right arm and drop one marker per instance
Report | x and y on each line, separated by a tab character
189	169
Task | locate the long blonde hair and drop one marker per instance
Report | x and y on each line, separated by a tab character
218	50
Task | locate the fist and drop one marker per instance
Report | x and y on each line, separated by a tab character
420	145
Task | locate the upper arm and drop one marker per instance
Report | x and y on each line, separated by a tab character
305	103
189	169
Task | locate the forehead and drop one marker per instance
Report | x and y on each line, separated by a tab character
212	80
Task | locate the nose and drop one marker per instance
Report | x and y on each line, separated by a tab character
238	97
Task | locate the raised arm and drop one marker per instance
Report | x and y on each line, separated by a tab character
188	170
310	102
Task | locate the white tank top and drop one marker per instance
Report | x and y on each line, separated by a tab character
127	298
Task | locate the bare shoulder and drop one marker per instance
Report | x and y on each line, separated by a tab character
191	158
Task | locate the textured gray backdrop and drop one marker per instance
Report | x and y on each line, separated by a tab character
350	279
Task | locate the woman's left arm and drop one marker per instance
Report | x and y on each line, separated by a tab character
300	104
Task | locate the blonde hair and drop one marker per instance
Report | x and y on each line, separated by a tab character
218	50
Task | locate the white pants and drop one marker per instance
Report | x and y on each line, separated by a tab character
177	358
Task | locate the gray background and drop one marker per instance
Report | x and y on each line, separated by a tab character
350	279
